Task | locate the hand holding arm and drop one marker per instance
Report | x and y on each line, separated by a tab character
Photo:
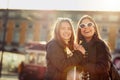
80	48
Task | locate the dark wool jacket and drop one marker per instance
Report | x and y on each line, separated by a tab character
97	60
57	62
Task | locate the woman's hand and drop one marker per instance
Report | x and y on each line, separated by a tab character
80	48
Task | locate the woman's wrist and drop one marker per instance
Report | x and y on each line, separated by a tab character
85	54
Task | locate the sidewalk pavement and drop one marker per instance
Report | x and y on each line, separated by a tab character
9	77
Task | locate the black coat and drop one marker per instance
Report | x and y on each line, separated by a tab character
57	61
97	60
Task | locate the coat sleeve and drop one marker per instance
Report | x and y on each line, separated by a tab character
56	57
102	64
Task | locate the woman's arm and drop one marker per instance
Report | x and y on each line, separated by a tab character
102	64
57	57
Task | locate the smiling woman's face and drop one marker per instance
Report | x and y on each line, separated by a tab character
65	31
88	30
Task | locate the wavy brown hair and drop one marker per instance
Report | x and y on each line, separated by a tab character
57	36
96	35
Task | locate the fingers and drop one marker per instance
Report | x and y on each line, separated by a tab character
80	48
76	46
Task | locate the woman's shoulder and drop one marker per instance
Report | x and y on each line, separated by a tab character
102	43
52	43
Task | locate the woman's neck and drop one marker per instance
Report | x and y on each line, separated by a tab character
88	39
66	41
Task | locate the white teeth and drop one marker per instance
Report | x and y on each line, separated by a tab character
66	34
86	31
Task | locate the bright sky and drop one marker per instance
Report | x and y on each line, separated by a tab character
89	5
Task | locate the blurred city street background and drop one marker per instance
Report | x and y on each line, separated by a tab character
25	28
9	77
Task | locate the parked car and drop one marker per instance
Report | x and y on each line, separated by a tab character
116	59
34	66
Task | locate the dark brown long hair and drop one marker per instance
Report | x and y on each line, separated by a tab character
96	35
57	36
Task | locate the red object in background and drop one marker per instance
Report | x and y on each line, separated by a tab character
32	72
35	63
117	62
42	71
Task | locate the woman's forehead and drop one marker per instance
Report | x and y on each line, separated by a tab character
86	20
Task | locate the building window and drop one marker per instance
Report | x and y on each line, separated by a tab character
104	30
118	32
43	33
29	33
1	34
98	17
114	18
2	31
16	33
118	39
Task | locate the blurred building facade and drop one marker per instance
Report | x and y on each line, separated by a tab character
36	25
